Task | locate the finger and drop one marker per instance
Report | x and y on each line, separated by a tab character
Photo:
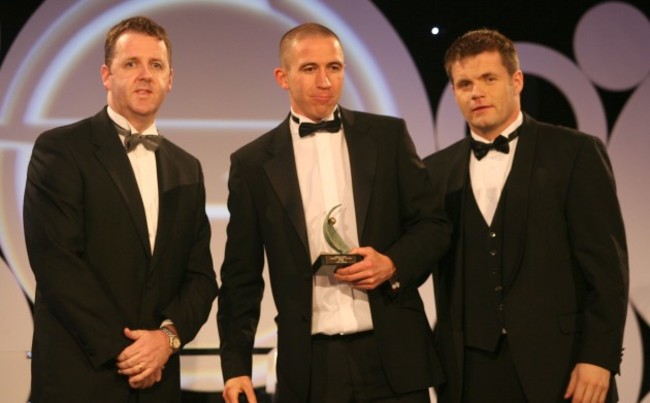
131	334
363	251
250	396
231	395
141	374
133	369
571	388
141	384
587	394
579	393
351	269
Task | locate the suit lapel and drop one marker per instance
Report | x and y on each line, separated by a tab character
168	178
110	152
362	166
281	171
517	200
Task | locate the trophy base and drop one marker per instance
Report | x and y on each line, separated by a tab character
330	263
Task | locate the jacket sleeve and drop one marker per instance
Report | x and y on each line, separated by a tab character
241	276
426	232
598	242
54	225
192	303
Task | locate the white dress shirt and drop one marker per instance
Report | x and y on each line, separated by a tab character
488	175
324	176
143	162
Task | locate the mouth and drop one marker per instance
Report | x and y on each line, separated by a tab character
479	109
323	98
143	91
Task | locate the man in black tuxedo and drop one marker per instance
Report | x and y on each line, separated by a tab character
359	334
118	239
532	296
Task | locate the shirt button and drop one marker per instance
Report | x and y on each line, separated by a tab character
497	288
493	234
493	253
501	307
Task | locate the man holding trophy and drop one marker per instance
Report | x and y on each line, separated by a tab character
351	324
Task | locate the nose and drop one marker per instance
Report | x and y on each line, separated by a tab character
323	80
477	91
145	72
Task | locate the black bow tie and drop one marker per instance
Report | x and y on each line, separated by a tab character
500	144
131	140
306	128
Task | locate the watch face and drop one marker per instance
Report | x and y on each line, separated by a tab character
176	343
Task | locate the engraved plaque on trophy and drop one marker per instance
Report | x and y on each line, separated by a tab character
328	263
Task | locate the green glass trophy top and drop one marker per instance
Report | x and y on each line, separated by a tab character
328	263
332	237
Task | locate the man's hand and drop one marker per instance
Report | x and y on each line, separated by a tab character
589	384
237	385
369	273
144	360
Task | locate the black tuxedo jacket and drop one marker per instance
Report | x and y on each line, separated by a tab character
394	210
89	249
564	243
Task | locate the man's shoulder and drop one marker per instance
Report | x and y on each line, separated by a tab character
254	149
69	132
360	117
553	129
449	152
178	153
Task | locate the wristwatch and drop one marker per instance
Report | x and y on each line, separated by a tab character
174	340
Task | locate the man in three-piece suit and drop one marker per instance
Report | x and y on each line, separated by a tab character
118	239
359	334
532	296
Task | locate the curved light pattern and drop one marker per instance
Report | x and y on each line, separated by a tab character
611	45
625	32
224	95
628	149
16	340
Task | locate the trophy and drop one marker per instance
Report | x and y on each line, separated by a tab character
326	263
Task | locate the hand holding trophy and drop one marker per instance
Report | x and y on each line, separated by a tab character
328	263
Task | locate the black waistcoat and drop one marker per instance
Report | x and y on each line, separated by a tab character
483	274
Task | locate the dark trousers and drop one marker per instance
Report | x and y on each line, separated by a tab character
490	377
347	369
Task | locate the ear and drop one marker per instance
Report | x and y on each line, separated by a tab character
281	78
105	73
518	81
171	79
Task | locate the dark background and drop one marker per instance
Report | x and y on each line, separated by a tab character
549	23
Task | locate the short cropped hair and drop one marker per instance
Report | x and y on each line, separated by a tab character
475	42
139	24
300	32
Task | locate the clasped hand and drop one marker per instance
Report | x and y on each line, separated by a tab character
144	360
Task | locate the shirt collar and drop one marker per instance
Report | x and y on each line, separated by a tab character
511	128
124	123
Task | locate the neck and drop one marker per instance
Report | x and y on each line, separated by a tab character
489	134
